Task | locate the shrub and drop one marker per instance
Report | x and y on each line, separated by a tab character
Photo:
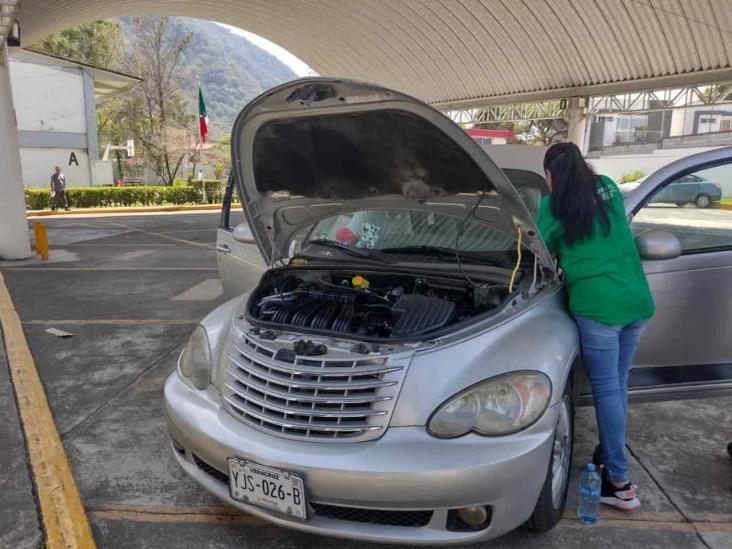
37	199
101	197
627	177
211	190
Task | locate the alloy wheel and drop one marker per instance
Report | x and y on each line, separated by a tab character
561	453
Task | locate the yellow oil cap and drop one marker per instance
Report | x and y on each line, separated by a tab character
359	282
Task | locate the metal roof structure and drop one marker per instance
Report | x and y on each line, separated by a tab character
462	53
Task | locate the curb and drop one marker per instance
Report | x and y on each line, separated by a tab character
723	207
132	209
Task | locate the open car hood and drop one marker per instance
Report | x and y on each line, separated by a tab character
318	147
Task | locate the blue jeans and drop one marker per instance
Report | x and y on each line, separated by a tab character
608	352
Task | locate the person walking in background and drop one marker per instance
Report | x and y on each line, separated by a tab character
58	189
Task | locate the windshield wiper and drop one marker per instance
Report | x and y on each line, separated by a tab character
344	248
437	251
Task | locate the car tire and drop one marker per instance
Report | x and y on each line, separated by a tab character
553	498
703	201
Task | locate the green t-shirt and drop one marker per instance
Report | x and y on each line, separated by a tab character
604	275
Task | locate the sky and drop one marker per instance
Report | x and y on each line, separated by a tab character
298	66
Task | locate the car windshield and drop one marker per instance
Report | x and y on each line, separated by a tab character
410	232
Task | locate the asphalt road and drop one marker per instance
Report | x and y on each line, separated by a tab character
131	289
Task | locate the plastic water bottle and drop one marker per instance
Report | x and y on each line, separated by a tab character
588	510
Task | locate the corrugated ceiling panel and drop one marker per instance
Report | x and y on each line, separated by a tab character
678	33
564	41
627	36
605	43
652	36
462	50
721	19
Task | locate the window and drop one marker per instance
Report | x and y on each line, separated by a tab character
708	120
692	208
381	229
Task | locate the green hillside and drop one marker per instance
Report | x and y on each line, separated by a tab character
231	69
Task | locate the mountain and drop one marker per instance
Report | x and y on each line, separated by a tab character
231	69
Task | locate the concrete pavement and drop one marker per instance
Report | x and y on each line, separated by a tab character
123	287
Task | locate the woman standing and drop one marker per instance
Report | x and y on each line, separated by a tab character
583	222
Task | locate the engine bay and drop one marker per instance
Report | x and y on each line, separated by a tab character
370	304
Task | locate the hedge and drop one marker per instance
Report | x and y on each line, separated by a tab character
206	192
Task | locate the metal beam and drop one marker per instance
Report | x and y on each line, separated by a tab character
544	110
663	100
719	93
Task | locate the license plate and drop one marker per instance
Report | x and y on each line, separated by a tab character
267	487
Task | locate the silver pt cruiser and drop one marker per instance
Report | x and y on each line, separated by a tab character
404	368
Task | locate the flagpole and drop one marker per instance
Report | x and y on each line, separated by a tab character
200	135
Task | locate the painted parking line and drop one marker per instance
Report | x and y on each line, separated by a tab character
113	321
177	517
46	269
64	520
161	235
207	290
222	514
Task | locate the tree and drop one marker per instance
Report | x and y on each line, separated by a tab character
98	43
158	112
539	131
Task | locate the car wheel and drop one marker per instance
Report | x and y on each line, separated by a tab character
553	497
703	201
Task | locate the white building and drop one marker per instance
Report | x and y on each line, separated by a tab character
55	106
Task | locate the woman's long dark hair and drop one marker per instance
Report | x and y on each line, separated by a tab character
575	200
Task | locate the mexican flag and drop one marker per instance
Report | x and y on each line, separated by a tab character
202	116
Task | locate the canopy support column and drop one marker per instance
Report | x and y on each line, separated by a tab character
14	237
576	119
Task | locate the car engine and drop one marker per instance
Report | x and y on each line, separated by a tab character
372	305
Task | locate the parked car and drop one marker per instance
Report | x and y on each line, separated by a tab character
687	189
402	366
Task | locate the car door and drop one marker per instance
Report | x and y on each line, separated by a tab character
686	350
239	261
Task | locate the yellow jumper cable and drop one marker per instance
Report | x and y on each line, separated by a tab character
518	261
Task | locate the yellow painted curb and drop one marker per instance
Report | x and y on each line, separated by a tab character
723	206
64	519
133	209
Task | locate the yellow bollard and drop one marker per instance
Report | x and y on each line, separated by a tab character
39	229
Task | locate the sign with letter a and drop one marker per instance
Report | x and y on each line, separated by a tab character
72	159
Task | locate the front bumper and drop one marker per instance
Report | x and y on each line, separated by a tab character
406	469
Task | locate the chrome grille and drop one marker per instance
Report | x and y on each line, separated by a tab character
334	397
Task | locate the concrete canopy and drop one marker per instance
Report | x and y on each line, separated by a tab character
107	83
460	53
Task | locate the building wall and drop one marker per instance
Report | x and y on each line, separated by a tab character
52	125
48	98
38	164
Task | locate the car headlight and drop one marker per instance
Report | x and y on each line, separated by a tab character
498	406
195	360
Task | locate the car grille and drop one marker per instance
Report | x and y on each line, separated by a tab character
210	470
340	396
412	519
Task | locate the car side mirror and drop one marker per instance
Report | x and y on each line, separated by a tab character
243	234
655	245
